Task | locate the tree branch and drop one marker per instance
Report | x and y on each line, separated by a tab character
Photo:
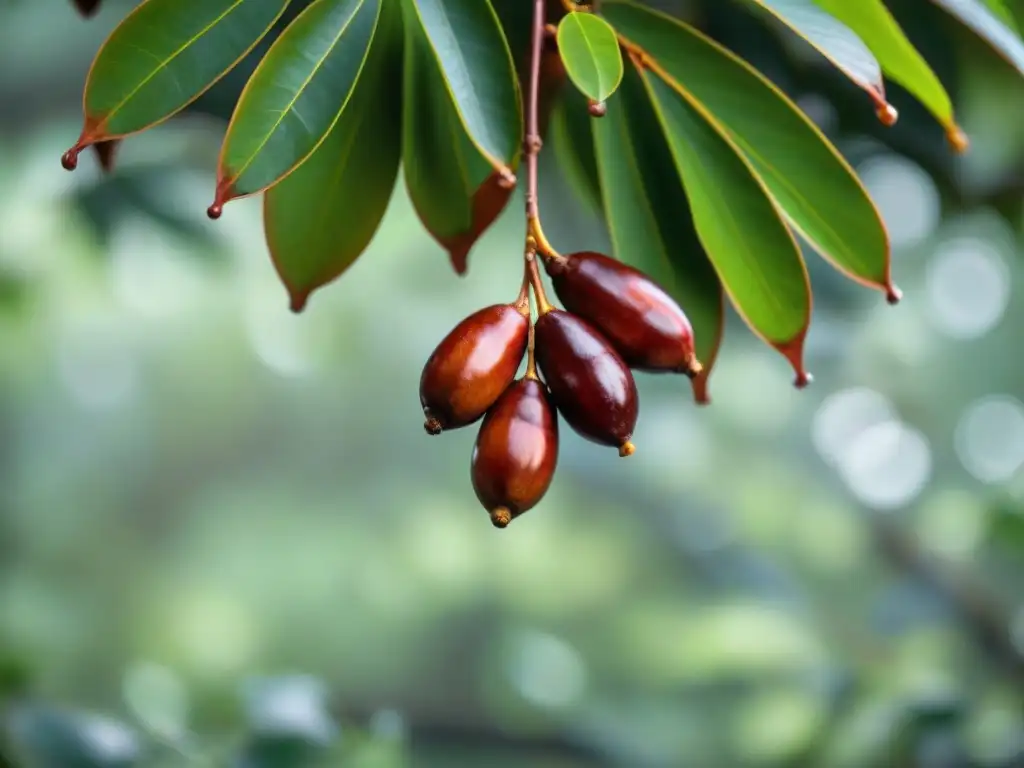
536	241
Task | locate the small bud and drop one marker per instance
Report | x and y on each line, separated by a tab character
887	114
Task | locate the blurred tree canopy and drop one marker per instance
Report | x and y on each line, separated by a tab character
224	539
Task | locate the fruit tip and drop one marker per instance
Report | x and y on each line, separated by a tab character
627	449
501	517
297	302
893	294
432	425
597	108
215	211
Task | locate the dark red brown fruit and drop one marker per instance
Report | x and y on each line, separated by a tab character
589	381
472	366
516	451
644	324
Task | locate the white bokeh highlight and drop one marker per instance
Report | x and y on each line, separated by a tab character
968	287
843	416
546	670
887	465
905	195
989	438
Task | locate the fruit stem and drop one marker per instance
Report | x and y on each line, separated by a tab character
522	302
531	363
533	143
543	305
531	358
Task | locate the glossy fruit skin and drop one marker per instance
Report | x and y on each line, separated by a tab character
472	366
590	383
644	324
516	451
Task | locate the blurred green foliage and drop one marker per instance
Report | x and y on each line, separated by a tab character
204	499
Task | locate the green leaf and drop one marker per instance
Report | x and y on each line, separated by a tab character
164	55
1004	13
469	46
453	188
648	214
320	218
572	142
900	60
590	51
752	250
984	23
834	40
295	96
817	190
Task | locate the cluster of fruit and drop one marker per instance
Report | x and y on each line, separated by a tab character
615	319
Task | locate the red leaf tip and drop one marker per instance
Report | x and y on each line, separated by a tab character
958	139
70	158
297	301
459	257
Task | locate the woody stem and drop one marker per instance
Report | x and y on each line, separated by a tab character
533	142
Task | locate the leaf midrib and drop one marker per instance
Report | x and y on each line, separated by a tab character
191	41
809	208
477	102
760	275
301	89
575	16
674	83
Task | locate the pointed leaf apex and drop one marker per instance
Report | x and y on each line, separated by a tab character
297	300
459	258
957	139
793	351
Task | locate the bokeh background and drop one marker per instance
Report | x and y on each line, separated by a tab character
226	540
